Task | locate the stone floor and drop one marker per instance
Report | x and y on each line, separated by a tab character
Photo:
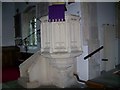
14	84
109	79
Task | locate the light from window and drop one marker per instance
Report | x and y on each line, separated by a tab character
32	32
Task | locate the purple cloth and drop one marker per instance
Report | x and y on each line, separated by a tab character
57	12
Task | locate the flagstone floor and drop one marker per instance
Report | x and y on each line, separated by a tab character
110	79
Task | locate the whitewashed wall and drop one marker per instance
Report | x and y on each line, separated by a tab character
110	47
8	32
106	15
82	65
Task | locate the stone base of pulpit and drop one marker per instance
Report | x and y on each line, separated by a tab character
62	72
39	70
62	67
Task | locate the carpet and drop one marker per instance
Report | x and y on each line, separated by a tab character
10	74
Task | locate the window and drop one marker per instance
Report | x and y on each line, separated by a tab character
29	30
32	33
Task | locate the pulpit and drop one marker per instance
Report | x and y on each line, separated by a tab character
61	44
55	63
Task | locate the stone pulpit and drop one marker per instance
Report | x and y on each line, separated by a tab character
61	44
55	63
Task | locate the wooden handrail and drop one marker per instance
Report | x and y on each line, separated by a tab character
90	83
89	55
